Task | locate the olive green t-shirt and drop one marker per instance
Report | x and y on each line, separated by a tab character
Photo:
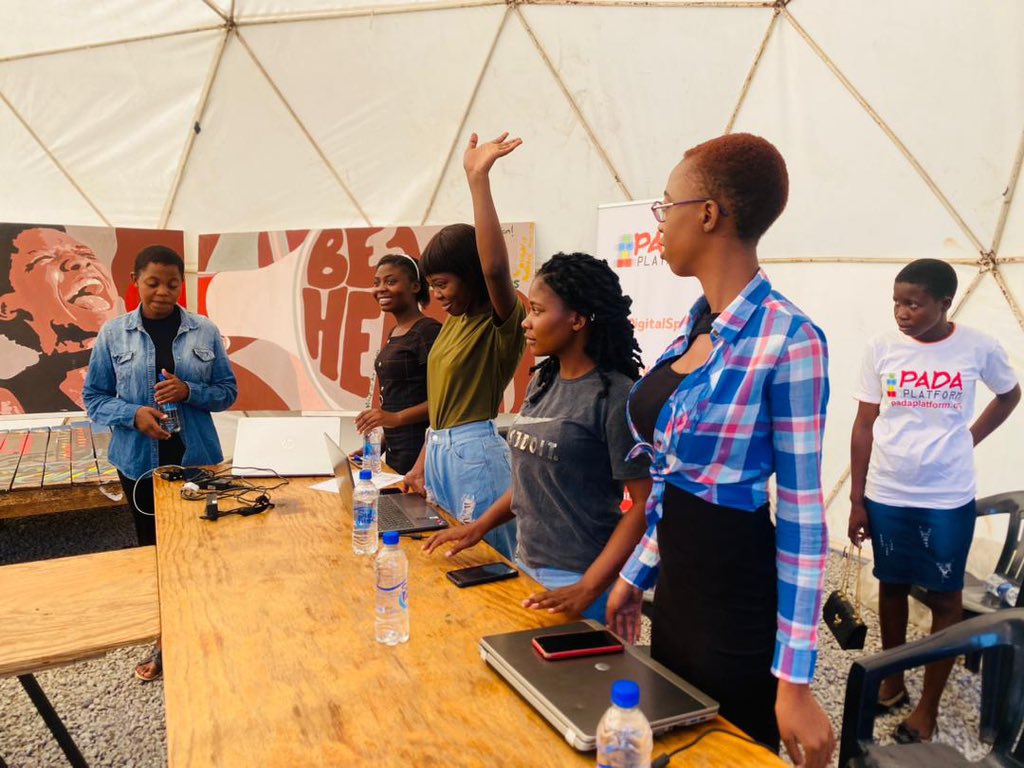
470	365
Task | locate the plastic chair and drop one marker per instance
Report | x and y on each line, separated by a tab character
999	638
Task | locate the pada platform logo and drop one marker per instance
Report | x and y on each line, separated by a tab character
640	249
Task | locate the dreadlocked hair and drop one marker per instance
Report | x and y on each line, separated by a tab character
590	287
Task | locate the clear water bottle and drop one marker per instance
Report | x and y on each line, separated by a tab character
172	423
468	507
624	738
392	611
1005	590
371	449
364	514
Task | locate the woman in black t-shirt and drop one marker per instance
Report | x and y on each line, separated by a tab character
402	364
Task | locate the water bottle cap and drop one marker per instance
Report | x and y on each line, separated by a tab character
391	538
625	694
366	474
162	377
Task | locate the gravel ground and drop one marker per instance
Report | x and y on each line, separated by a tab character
117	721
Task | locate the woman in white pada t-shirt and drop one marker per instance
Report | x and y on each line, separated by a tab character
912	464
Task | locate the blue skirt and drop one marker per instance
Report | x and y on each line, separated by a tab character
926	547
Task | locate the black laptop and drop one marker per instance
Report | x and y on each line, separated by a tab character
402	512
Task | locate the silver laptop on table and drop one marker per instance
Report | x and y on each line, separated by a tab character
402	512
283	445
572	694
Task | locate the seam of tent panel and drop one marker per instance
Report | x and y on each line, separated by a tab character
302	127
362	11
53	158
652	3
465	115
594	140
216	9
1004	212
109	43
197	121
753	70
904	150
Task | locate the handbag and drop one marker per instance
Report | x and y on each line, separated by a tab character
842	615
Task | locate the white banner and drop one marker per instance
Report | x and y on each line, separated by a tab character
628	239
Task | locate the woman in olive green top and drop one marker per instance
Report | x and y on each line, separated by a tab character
475	355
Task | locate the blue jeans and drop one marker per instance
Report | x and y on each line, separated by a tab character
555	578
471	459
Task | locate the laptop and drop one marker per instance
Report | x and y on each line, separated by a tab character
282	445
573	694
402	512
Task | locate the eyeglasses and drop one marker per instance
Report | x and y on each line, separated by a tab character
659	209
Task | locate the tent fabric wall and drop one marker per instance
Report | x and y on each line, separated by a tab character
902	124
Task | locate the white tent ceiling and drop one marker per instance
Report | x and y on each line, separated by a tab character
902	124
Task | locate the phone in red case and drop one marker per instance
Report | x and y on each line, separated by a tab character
569	645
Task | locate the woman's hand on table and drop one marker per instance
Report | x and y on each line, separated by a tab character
414	481
171	389
147	421
574	599
459	536
623	613
803	726
375	417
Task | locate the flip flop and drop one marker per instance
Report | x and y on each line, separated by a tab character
156	659
893	702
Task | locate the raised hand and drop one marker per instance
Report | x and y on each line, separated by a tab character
479	158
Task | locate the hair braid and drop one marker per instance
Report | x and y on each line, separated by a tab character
590	287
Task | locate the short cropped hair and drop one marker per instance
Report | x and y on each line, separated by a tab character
453	250
158	254
747	176
934	275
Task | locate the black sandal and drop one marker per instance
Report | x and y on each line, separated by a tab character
157	660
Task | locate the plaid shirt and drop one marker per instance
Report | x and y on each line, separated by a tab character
756	407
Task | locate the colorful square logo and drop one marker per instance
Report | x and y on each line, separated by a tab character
624	251
890	384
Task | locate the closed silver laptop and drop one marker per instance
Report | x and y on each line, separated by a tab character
572	694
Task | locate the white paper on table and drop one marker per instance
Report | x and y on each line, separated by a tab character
381	480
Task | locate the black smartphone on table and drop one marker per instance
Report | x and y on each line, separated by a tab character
569	645
482	574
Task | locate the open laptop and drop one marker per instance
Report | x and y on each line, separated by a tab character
573	694
402	512
285	445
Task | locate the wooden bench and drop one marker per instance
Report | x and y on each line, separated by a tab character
56	612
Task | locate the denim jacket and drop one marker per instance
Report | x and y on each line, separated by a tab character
122	372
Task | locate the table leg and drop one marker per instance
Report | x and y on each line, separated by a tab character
52	720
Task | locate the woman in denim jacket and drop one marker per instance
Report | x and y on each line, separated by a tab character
124	389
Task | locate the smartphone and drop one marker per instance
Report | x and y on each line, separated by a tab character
569	645
482	574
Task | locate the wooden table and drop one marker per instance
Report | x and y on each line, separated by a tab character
55	612
43	501
59	611
270	658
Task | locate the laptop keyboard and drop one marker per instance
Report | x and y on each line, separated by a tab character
391	517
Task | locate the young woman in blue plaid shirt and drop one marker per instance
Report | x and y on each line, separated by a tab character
738	397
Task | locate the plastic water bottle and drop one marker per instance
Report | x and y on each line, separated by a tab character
1001	588
364	514
371	449
172	423
392	610
624	738
468	507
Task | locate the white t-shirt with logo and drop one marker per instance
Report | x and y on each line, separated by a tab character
923	453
